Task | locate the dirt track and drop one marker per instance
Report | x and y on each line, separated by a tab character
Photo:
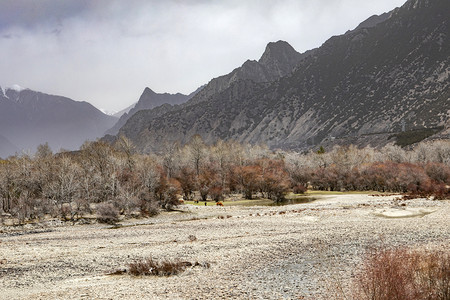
254	252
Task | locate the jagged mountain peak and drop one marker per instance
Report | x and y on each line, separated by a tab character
280	58
149	99
249	62
280	54
148	90
152	98
278	51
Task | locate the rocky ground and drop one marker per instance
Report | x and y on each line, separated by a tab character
254	252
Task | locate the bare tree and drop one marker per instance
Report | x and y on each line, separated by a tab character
9	190
43	151
393	153
126	147
196	148
65	188
170	158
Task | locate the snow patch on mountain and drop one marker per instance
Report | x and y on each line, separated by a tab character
108	112
17	88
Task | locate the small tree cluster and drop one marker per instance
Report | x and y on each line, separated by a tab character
71	184
385	177
100	178
421	172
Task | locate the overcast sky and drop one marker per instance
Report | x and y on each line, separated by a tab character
107	51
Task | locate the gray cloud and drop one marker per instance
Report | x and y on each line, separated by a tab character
31	14
107	51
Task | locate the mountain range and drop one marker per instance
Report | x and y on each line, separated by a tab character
29	118
389	75
385	81
279	59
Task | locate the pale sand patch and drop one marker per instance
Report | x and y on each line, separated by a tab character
403	213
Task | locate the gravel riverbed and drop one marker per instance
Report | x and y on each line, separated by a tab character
285	252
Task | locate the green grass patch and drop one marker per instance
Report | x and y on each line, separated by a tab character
291	198
318	193
201	203
245	202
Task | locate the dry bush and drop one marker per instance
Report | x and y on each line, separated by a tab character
192	238
167	192
404	274
299	189
148	205
187	179
81	207
157	268
25	209
438	172
107	213
149	208
216	193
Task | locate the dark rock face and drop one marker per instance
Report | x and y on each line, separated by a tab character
279	59
374	21
359	87
29	118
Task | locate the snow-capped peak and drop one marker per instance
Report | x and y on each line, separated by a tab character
108	112
17	88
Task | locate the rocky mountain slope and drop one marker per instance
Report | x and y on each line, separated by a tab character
148	100
29	118
360	87
278	60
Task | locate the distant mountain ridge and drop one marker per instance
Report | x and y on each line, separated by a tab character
278	59
359	87
148	100
29	118
6	147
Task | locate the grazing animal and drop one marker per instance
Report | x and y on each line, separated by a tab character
219	204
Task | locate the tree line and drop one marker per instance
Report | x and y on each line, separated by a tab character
114	178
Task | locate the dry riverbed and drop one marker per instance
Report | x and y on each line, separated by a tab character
254	252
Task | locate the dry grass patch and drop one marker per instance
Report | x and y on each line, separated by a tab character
151	267
404	274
